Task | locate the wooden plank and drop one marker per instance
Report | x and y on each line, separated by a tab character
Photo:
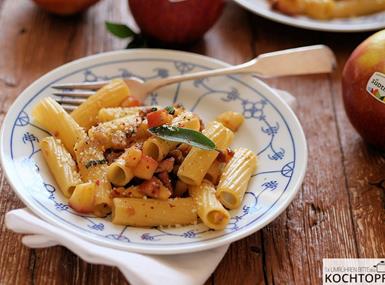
318	223
332	216
25	34
16	259
16	264
81	35
231	40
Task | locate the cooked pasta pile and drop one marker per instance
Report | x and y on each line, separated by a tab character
104	159
329	9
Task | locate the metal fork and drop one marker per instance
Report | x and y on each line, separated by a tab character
297	61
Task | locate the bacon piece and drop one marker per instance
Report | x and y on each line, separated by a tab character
166	165
111	155
177	155
165	178
225	156
151	188
185	149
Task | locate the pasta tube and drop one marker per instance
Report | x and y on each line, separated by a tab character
52	117
158	148
93	168
109	114
355	8
153	212
187	120
198	161
115	133
132	156
83	198
210	210
328	9
231	120
235	178
61	165
118	173
110	95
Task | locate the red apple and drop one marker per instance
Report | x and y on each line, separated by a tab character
175	21
365	108
65	7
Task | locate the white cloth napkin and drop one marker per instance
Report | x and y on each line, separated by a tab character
139	269
188	269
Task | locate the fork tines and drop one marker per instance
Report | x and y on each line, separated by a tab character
74	93
70	99
71	95
81	86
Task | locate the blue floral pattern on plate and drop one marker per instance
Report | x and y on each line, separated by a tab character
266	131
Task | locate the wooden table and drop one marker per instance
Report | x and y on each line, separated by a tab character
338	212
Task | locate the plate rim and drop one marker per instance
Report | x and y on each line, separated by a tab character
311	24
152	249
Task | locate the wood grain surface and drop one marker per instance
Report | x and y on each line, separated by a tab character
340	208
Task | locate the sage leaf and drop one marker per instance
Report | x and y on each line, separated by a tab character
170	110
120	30
182	135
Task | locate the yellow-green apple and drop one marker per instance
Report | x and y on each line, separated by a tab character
175	21
65	7
363	87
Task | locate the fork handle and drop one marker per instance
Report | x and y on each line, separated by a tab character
297	61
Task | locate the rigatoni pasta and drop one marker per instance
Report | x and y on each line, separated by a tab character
118	173
235	178
111	95
209	209
61	164
52	117
115	133
158	148
83	198
109	158
93	168
109	114
153	212
231	120
198	161
329	9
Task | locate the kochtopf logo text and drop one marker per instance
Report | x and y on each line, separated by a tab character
353	271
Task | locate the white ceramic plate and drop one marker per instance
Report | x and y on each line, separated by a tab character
271	130
357	24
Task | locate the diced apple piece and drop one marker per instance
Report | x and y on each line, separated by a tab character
158	118
155	189
146	167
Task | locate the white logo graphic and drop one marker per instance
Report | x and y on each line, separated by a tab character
353	271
